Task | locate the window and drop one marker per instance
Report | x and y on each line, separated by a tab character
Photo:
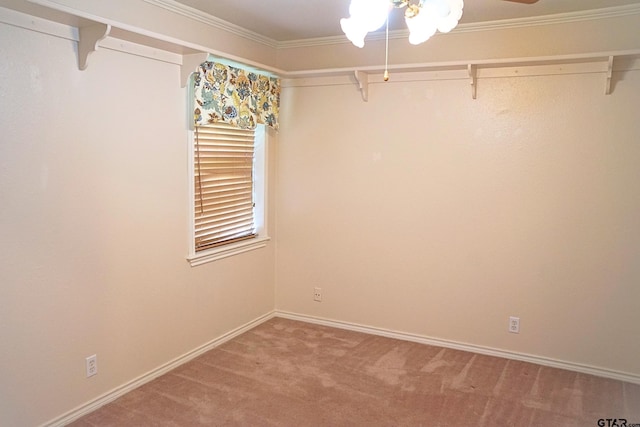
228	188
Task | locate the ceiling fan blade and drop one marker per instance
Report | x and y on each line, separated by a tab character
523	1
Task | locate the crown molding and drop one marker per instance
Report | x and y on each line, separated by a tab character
559	18
212	21
158	46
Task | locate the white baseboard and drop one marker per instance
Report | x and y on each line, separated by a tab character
155	373
561	364
161	370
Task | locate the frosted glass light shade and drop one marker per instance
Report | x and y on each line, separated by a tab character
365	16
421	27
440	15
432	15
450	21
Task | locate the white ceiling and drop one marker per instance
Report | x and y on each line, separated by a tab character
286	20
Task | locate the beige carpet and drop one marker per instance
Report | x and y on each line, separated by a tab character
287	373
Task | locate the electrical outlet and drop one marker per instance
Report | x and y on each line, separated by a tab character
92	365
317	294
514	325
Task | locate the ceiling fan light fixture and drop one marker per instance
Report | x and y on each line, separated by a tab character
449	21
423	18
365	16
421	27
412	11
398	4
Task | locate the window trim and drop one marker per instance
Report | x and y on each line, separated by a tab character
260	165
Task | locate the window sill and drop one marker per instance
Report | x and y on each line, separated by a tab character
227	251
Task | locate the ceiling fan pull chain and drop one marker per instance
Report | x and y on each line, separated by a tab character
386	55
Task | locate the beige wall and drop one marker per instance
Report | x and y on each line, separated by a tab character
421	211
424	211
94	229
499	43
146	23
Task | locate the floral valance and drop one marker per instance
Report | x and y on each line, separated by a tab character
232	95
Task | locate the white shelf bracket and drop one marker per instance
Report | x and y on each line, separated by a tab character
607	88
189	66
363	84
473	78
89	39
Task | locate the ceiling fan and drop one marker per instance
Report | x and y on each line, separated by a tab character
423	18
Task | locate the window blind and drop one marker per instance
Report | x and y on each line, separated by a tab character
223	166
